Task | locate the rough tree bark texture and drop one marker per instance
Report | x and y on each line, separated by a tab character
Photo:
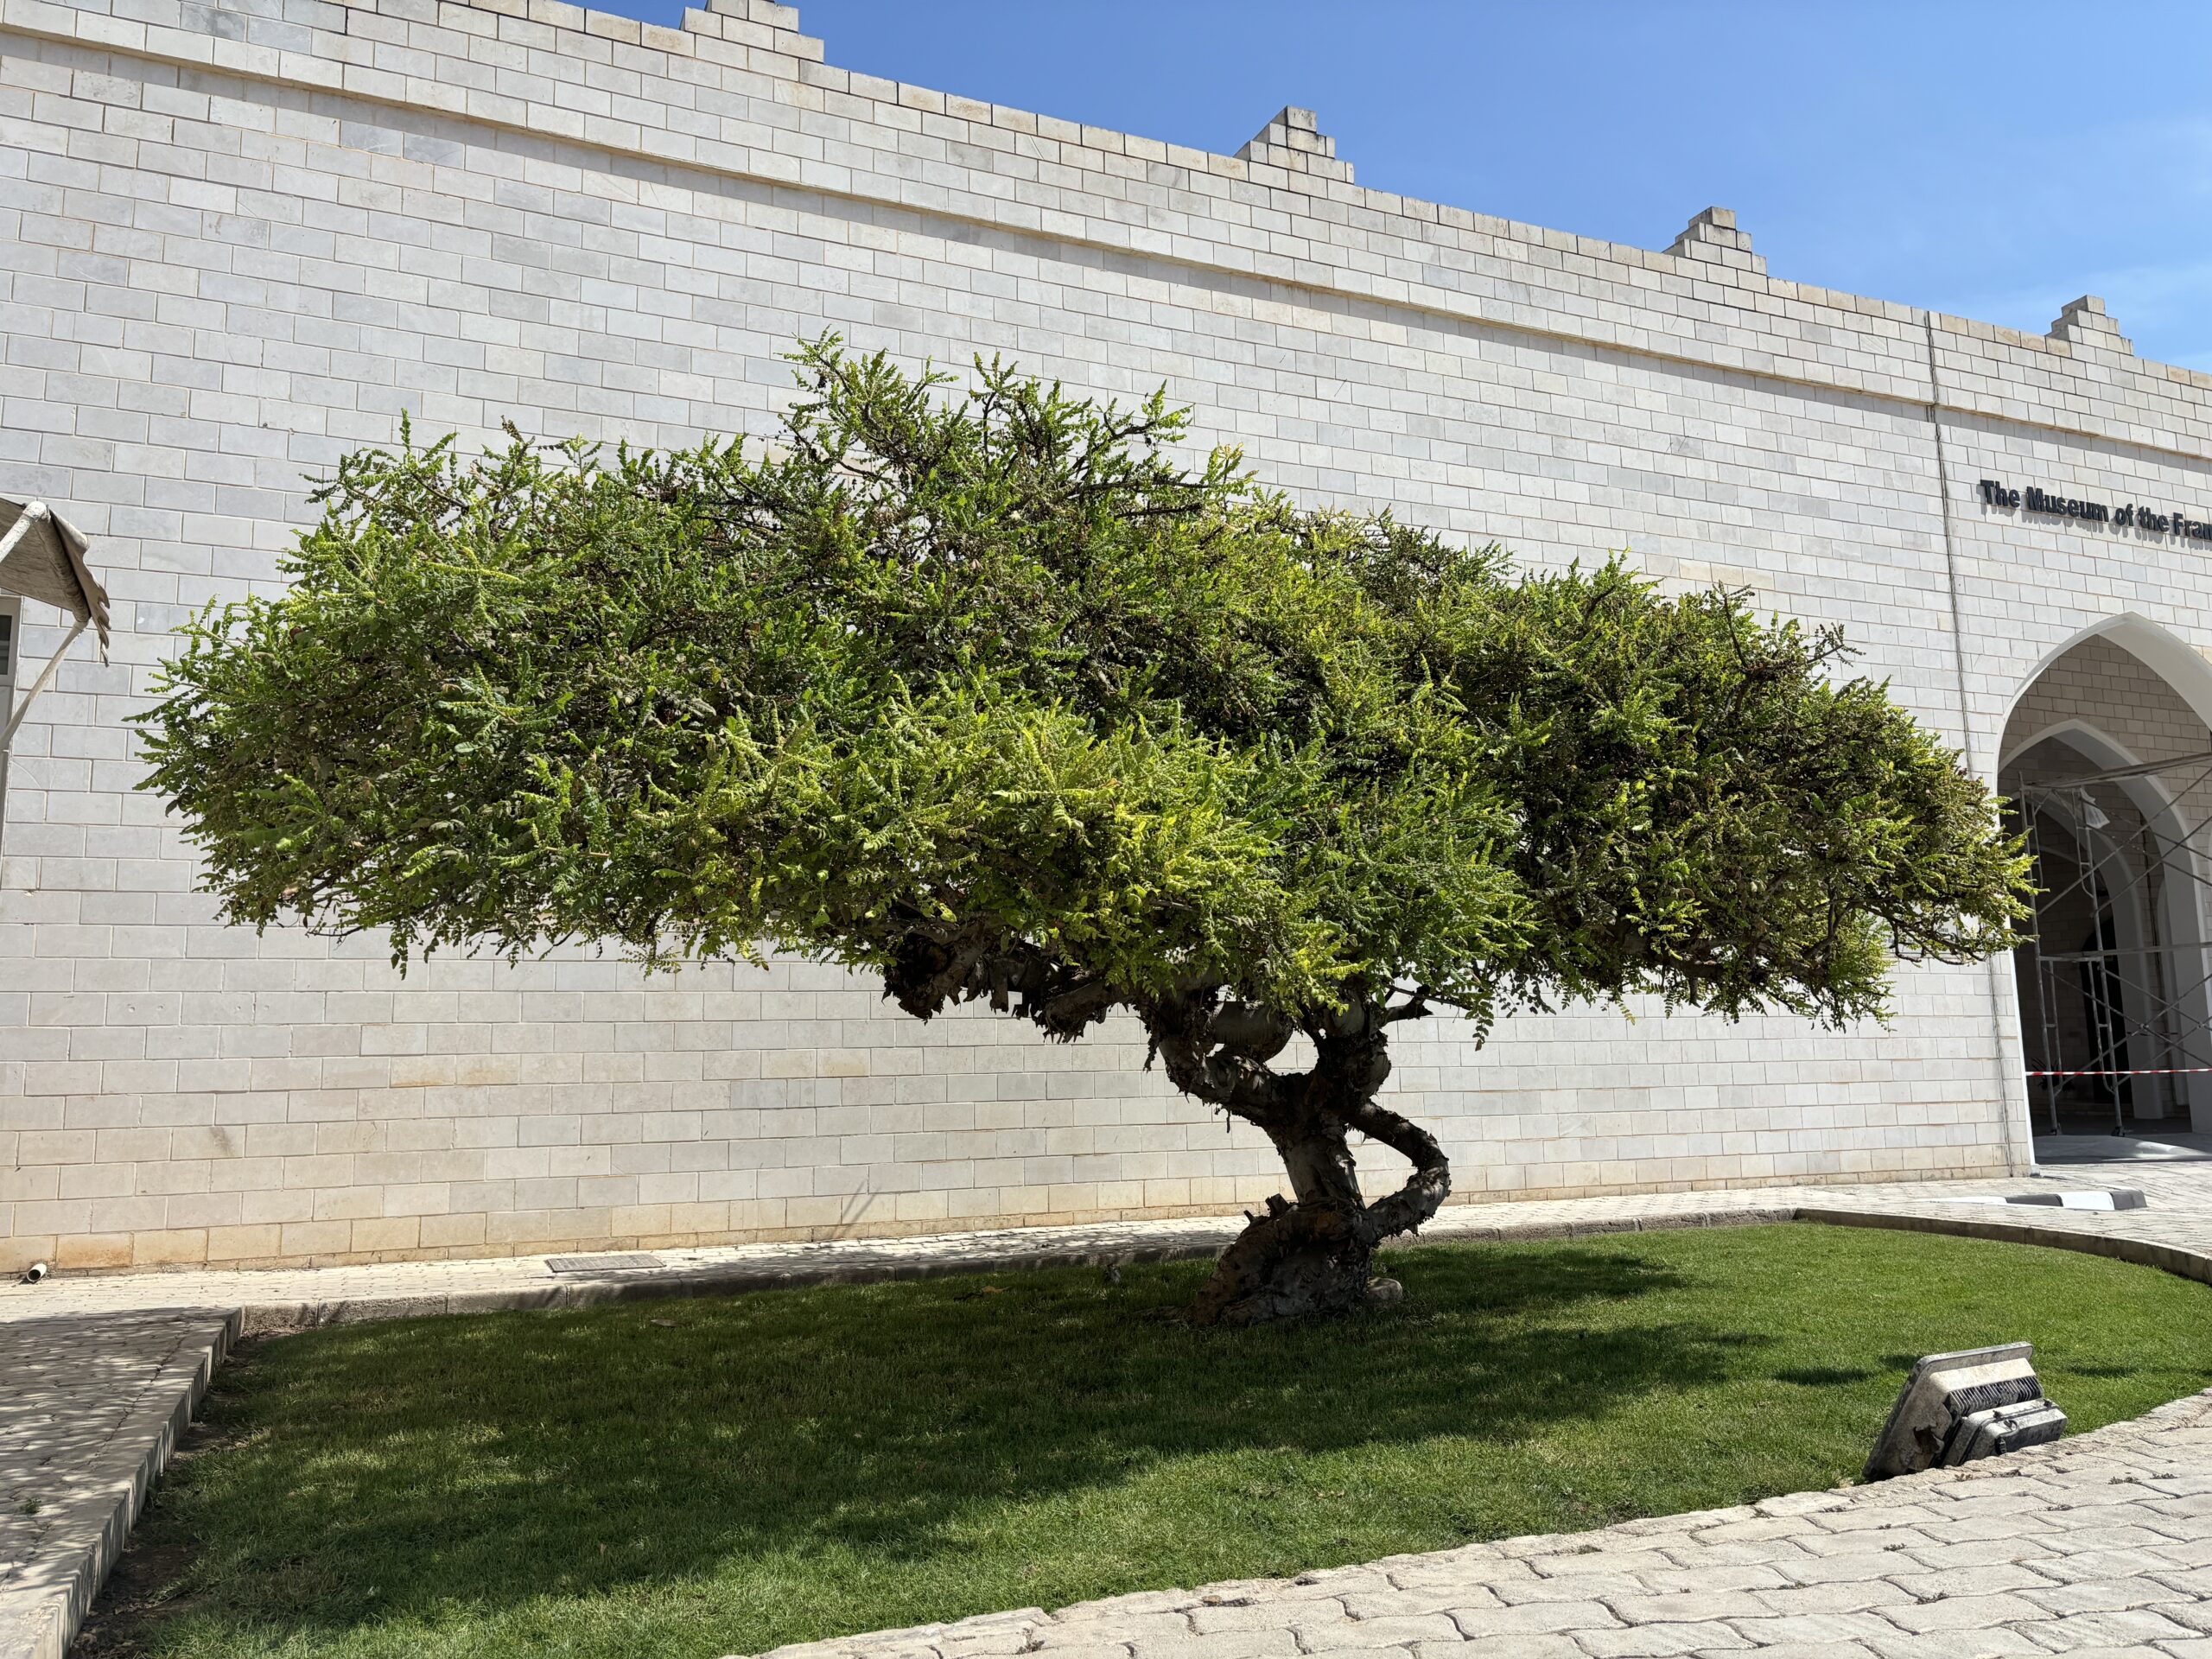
1313	1253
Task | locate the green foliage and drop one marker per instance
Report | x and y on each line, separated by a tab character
996	667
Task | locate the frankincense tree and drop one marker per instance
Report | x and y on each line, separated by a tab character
986	693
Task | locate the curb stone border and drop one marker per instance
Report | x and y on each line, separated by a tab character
2182	1263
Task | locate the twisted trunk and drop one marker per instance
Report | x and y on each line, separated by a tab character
1315	1252
1312	1253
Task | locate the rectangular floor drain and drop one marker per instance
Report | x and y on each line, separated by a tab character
601	1263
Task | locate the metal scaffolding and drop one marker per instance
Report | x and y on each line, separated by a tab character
2144	1029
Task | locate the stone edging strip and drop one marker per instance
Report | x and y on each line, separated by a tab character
2143	1252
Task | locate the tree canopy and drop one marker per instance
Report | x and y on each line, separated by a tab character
993	692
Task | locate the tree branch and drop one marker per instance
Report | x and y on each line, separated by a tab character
1425	1191
1232	1076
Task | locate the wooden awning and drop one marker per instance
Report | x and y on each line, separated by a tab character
42	557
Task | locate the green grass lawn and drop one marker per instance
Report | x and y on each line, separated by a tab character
704	1477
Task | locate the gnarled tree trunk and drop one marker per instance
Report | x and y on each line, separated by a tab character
1313	1253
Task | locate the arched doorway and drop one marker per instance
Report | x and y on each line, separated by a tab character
2108	770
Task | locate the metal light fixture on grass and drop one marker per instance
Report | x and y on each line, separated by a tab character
1958	1408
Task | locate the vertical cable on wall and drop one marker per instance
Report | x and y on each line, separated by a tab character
2018	1156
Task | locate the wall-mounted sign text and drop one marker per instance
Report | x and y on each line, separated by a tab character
2132	515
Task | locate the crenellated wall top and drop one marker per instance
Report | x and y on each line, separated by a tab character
740	91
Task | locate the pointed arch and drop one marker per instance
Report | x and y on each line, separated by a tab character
2164	652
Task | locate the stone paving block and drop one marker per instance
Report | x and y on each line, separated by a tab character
1757	1528
990	1635
1851	1569
1580	1588
2087	1531
2094	1594
1344	1580
1996	1577
1793	1505
2004	1642
1775	1553
2120	1628
1903	1541
1475	1567
1314	1636
1276	1643
1866	1517
1990	1529
1091	1622
2193	1582
1843	1596
2190	1506
2063	1565
1695	1520
1535	1619
1520	1645
1242	1613
1661	1640
1583	1561
2028	1550
2175	1483
1434	1598
1965	1613
1811	1627
2027	1495
1716	1578
1687	1606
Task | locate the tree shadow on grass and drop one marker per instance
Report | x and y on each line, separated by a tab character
510	1457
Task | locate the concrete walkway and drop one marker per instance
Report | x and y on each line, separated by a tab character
2085	1547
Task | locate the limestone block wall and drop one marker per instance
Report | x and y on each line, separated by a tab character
238	239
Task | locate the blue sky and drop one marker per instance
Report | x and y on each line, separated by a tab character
1989	160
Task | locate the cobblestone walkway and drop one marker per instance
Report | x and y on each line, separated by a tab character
2103	1545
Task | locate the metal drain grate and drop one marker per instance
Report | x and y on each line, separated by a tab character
585	1264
